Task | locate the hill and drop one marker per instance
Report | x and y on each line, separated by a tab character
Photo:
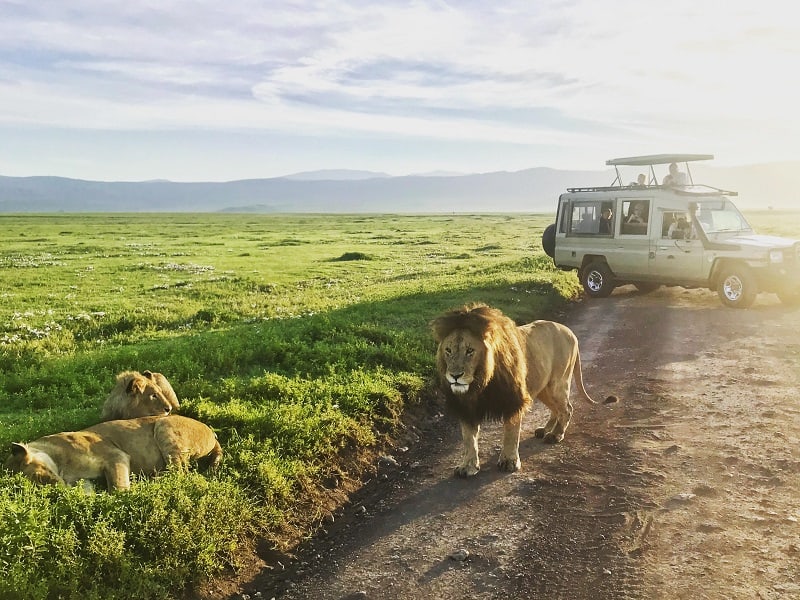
530	190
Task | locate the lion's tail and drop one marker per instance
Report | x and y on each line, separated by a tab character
578	374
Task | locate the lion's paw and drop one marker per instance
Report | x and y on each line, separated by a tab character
539	432
509	465
552	438
466	470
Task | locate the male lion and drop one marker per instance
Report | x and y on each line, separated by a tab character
115	449
492	369
139	395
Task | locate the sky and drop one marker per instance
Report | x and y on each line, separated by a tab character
205	90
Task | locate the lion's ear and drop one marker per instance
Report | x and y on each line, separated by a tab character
18	449
136	385
148	374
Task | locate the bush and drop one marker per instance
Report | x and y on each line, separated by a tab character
161	536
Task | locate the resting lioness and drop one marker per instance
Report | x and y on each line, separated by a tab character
114	450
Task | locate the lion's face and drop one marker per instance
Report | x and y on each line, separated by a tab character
165	388
38	468
463	354
146	399
139	395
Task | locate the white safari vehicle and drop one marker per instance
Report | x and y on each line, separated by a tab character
669	232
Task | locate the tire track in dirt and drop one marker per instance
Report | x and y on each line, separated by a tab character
687	488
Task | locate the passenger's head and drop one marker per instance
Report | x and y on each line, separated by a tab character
673	168
606	213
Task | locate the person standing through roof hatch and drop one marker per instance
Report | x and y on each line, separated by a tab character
675	177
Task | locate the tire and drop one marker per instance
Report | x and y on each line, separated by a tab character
597	279
737	287
549	240
645	287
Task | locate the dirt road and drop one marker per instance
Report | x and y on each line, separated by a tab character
689	487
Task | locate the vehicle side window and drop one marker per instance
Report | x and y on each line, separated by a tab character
562	226
635	216
675	225
587	217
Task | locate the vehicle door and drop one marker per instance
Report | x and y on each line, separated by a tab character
676	253
587	227
629	256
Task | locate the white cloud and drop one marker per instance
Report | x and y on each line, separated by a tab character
559	72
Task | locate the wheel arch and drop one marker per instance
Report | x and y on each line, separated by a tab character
719	266
590	258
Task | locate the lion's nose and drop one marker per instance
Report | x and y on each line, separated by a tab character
457	376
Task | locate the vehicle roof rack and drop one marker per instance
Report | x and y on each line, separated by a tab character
657	159
693	190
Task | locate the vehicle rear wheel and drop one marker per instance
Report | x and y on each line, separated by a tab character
736	287
597	279
549	240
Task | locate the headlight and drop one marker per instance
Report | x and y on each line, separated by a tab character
776	256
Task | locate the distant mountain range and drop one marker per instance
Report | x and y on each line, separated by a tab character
334	175
342	191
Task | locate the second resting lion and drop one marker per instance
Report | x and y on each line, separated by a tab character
490	368
116	449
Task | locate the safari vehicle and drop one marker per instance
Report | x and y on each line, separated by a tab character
669	233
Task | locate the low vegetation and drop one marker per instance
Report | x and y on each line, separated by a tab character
300	339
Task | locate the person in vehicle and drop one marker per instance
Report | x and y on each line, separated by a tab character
641	181
675	177
679	229
606	225
637	216
587	224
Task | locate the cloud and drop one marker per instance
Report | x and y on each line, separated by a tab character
563	72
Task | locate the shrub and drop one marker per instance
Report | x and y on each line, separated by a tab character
165	534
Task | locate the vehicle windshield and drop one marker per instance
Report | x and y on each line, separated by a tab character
721	216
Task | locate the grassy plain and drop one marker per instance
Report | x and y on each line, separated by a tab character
300	339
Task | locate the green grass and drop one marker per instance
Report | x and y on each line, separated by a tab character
300	339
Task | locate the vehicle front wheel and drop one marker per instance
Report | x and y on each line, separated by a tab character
737	287
597	280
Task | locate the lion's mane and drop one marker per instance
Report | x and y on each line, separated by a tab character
498	391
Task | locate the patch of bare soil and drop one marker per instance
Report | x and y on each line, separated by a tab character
689	487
